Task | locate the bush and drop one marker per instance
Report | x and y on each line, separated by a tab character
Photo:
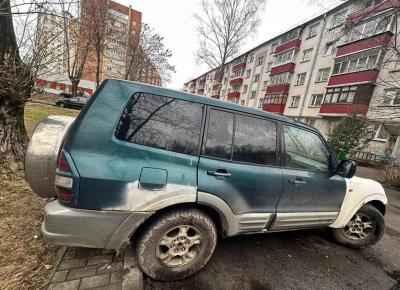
390	174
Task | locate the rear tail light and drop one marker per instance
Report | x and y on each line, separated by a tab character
64	183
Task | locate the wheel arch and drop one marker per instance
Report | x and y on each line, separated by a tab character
379	205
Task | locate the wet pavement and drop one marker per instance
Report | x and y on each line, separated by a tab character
300	260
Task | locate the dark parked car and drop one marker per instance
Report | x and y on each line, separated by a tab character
74	103
170	171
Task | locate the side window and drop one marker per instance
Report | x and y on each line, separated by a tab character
305	150
219	135
255	140
161	122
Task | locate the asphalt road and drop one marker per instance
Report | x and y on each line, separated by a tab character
300	260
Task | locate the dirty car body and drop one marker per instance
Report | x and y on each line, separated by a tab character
137	152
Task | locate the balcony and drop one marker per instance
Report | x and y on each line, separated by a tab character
360	14
236	82
365	76
379	40
202	81
193	85
295	43
215	97
239	66
275	89
233	95
288	67
216	86
343	108
200	91
274	108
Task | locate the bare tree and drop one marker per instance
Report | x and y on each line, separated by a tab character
148	58
223	26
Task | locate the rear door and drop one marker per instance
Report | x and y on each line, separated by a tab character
312	192
238	163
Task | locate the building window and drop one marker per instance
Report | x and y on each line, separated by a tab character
273	47
397	63
248	73
300	79
313	30
275	99
338	19
391	98
285	57
381	134
225	80
269	65
307	55
290	36
256	77
265	85
251	58
330	47
356	62
253	94
310	122
295	102
282	78
369	28
244	88
340	95
242	102
260	61
316	100
323	75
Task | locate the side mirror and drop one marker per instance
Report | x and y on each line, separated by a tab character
346	168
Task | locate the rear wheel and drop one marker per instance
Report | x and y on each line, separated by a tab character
364	229
62	105
176	245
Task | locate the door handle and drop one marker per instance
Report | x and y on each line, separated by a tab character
219	172
297	181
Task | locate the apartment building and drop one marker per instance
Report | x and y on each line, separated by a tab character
340	62
52	53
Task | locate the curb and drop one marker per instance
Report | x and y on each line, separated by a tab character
133	279
60	254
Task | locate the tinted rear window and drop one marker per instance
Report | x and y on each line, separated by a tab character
162	122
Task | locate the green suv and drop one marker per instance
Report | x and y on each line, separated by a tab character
171	171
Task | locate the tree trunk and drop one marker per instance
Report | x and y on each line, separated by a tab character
15	87
74	87
13	136
98	56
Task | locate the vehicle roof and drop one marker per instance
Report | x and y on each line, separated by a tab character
210	101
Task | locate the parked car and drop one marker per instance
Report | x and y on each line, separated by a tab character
169	171
65	95
74	103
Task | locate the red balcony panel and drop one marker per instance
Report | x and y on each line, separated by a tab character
62	87
382	39
215	97
40	83
193	85
236	82
200	91
343	108
202	81
233	95
274	108
370	10
295	43
216	86
283	68
239	66
281	88
354	77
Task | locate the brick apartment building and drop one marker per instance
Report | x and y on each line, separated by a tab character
340	62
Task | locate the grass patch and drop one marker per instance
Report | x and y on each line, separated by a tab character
25	259
36	112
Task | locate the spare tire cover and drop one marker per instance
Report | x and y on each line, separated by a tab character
42	154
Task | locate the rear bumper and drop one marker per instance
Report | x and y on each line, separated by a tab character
89	228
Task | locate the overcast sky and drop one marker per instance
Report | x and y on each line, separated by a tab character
173	19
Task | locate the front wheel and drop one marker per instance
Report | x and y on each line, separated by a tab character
364	229
176	245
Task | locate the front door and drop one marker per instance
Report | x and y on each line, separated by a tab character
312	193
238	165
